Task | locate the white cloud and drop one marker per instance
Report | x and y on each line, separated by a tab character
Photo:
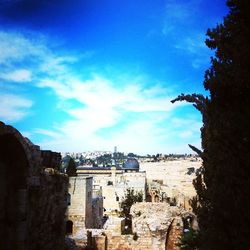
49	133
13	107
33	50
192	124
195	46
125	113
139	135
105	106
178	13
52	64
178	21
102	94
16	47
21	75
186	134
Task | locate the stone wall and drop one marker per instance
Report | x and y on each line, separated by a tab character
47	206
174	233
151	222
156	226
32	198
113	183
175	176
51	159
97	212
80	208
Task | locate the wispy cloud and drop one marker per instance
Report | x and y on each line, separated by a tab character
20	75
178	25
32	50
17	47
178	13
25	57
139	112
186	128
128	113
13	107
193	44
47	133
195	47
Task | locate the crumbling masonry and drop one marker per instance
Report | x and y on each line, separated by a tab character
32	195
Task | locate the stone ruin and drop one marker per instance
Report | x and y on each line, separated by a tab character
155	226
32	195
33	202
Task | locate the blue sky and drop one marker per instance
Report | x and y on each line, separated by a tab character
93	74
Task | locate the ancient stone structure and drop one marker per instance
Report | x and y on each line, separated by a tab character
32	195
175	230
97	209
51	159
108	187
171	181
152	223
79	212
113	182
156	226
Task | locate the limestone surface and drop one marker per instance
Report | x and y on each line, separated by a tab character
152	223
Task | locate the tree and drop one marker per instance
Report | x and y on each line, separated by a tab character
130	198
131	155
71	168
223	182
188	241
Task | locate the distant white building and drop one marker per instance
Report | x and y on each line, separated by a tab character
114	181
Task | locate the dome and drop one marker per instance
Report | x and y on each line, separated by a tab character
131	164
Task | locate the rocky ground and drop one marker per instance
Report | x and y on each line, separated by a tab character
176	174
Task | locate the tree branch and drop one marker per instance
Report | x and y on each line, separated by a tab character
196	150
198	100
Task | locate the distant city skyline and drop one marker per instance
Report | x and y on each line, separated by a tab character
87	75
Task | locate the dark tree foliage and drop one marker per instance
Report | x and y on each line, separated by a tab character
131	155
130	198
71	168
223	182
188	241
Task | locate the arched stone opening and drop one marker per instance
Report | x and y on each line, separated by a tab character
157	199
148	198
152	194
69	227
13	192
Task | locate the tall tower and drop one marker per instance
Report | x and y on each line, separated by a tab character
115	155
